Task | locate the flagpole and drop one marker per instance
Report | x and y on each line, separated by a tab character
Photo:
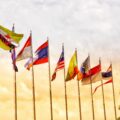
114	95
79	95
50	89
103	96
15	85
93	114
33	81
66	106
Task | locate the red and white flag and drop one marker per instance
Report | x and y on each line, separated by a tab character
93	76
25	51
60	65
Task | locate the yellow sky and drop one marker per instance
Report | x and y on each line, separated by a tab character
24	93
92	26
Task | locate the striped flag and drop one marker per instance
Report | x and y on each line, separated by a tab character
106	76
60	65
41	56
109	81
26	51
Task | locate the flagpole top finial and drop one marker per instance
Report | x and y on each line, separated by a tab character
47	38
88	54
13	27
30	31
13	24
99	60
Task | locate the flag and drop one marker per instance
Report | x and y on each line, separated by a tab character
109	81
60	65
41	56
106	76
93	76
93	71
72	69
26	51
79	75
9	39
84	69
85	66
5	43
13	56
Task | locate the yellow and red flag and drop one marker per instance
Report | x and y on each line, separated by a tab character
73	68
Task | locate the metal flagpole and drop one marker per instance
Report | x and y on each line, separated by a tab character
79	96
50	89
33	81
103	96
91	90
15	85
66	106
114	95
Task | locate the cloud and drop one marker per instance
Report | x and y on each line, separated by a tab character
90	25
5	94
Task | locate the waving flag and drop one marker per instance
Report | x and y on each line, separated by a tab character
73	68
9	39
109	81
106	76
84	69
40	57
60	65
26	51
13	56
42	54
94	75
85	66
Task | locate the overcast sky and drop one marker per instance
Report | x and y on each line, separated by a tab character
85	24
92	26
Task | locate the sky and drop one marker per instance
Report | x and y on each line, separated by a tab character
91	26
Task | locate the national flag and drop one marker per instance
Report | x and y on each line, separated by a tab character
9	39
5	43
85	66
73	68
84	69
93	76
106	76
13	56
60	65
42	54
26	51
40	57
109	81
